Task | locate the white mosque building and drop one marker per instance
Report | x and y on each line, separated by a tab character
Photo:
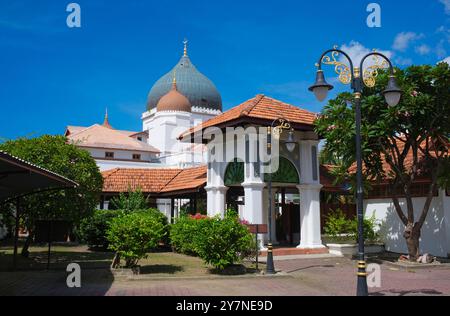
173	168
181	99
176	173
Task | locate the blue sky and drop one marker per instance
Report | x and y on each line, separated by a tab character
52	76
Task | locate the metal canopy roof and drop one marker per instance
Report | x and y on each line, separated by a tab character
19	178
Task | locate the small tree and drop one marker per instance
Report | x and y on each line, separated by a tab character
133	235
130	201
412	138
92	230
55	154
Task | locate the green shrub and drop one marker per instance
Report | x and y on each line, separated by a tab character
370	225
92	230
162	219
339	228
182	233
337	224
130	201
223	242
133	235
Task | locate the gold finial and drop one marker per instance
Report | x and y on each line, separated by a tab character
174	80
185	42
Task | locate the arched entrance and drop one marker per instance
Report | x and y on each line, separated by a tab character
233	178
286	210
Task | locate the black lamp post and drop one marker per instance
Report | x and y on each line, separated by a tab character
392	94
278	126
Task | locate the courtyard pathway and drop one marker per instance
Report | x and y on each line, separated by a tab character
330	276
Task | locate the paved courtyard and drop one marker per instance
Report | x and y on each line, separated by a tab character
325	276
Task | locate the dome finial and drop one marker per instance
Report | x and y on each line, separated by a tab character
174	80
185	42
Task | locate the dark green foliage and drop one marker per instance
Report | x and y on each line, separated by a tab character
412	138
130	201
55	154
92	230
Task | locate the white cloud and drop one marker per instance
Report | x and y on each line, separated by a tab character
441	52
357	51
446	4
446	60
401	61
423	49
404	39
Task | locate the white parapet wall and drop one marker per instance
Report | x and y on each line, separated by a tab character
435	238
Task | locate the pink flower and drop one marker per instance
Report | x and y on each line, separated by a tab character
414	93
198	216
244	222
331	128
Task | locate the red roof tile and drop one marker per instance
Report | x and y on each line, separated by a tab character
147	180
153	180
261	108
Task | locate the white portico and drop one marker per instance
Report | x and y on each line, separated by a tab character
240	181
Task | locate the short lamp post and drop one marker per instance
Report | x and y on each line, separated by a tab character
392	94
278	126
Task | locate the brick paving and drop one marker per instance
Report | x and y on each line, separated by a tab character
325	276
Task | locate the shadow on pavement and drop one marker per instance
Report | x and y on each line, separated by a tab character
407	292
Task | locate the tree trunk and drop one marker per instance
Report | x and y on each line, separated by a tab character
26	246
116	261
412	236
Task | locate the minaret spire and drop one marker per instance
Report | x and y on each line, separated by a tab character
185	43
106	121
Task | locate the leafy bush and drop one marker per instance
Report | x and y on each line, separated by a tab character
92	230
133	235
337	224
162	219
369	225
339	228
182	233
130	201
223	242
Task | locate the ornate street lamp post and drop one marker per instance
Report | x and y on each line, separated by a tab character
352	75
278	126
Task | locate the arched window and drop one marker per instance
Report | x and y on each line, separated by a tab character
286	173
234	174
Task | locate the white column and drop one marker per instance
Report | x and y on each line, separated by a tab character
310	231
274	219
253	208
220	200
210	201
446	212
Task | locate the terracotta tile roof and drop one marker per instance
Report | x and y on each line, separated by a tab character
408	162
164	181
261	108
187	179
98	136
147	180
327	179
